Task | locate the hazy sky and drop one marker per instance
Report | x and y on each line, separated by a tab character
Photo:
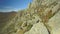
8	5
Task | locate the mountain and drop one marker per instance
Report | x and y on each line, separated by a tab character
40	17
5	17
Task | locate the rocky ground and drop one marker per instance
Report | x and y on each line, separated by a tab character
40	17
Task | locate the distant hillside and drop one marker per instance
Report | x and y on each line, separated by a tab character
5	17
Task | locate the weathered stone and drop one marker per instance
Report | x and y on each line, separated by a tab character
54	23
38	28
41	17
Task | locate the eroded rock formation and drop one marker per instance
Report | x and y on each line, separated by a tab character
41	17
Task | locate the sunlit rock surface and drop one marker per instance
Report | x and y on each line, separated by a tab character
54	22
40	17
38	28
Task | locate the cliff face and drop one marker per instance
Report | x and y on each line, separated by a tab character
41	17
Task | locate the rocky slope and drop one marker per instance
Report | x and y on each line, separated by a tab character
40	17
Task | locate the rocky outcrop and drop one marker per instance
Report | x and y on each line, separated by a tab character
38	28
54	23
41	17
48	9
